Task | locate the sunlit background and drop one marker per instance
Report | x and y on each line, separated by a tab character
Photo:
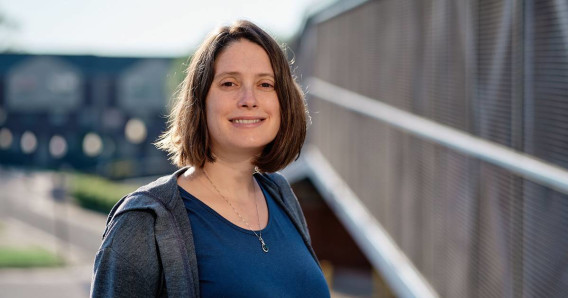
436	164
170	28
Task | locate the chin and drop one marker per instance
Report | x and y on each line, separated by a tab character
254	147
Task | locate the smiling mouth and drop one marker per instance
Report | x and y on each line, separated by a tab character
246	121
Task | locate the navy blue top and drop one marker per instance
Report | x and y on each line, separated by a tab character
231	262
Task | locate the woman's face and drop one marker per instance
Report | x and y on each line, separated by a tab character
243	112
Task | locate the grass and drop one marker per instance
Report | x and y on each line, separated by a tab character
15	257
97	193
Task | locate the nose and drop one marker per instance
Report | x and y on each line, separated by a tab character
247	99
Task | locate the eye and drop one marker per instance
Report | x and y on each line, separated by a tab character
266	85
227	84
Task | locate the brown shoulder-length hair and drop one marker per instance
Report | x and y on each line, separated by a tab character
187	138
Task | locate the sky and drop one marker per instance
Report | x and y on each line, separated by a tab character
140	27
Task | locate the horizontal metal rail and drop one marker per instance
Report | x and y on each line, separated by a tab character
519	163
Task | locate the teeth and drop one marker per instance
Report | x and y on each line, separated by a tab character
243	121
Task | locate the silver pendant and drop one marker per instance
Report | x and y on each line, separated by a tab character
264	246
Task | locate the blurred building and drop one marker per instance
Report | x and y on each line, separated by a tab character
94	114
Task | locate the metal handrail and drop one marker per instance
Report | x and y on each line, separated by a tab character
520	163
373	239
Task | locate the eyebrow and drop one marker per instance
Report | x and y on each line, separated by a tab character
235	73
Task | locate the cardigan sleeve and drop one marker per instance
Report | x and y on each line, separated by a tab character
127	264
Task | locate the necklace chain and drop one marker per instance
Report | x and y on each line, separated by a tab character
262	244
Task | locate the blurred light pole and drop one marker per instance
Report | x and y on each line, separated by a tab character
61	230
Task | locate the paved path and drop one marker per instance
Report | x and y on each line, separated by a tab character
29	216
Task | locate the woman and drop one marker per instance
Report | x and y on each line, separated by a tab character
226	226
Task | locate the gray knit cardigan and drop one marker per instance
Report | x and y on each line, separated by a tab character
147	248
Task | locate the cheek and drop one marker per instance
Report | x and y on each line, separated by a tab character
212	109
275	107
277	112
277	118
211	118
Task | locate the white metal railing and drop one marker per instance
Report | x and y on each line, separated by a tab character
520	163
375	242
381	250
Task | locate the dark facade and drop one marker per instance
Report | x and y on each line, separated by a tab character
94	114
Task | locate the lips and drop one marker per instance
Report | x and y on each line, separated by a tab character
246	120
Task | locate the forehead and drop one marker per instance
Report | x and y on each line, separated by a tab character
243	56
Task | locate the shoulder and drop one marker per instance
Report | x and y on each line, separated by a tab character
131	222
127	261
279	179
155	197
129	239
282	185
163	188
128	228
277	182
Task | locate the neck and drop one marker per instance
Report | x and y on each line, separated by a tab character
232	179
